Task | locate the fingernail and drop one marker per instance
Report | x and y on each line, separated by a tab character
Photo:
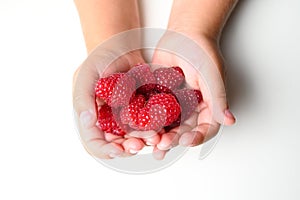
186	141
159	147
163	147
149	143
229	114
132	151
112	155
86	118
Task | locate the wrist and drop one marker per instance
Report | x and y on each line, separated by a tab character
205	17
199	35
197	29
207	42
101	19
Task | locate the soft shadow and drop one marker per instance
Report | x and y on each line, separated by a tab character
238	84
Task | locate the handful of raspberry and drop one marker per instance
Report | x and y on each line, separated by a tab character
144	100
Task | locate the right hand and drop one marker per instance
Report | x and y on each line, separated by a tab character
96	142
213	111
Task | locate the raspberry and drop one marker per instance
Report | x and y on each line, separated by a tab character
168	79
178	69
144	78
105	86
160	110
198	95
188	100
130	113
151	119
115	89
157	103
108	123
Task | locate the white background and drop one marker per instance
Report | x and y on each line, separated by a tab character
41	155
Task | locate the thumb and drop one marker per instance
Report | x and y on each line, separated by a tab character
219	107
214	94
84	97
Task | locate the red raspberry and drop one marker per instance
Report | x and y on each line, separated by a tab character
151	119
188	100
129	114
178	69
168	79
157	103
198	95
105	86
115	89
108	123
144	78
160	110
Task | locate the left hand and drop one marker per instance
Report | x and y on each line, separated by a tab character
98	143
212	112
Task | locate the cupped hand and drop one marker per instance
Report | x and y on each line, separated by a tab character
213	111
98	64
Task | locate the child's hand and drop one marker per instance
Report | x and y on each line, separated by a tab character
213	111
97	143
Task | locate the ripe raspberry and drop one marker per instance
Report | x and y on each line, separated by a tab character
108	123
130	113
151	119
157	103
115	89
161	110
168	79
105	86
198	95
144	78
188	100
178	69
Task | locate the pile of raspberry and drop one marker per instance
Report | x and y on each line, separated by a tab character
142	99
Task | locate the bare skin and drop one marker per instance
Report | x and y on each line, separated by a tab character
101	19
201	21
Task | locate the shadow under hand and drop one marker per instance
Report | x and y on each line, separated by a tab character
238	82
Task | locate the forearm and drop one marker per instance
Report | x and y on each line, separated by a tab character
100	19
205	17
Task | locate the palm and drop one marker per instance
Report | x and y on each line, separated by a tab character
97	143
194	80
204	123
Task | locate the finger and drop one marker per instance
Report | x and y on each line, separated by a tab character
159	154
154	140
199	135
105	151
119	141
83	96
229	117
133	145
94	142
168	140
109	137
214	94
191	138
142	134
171	139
